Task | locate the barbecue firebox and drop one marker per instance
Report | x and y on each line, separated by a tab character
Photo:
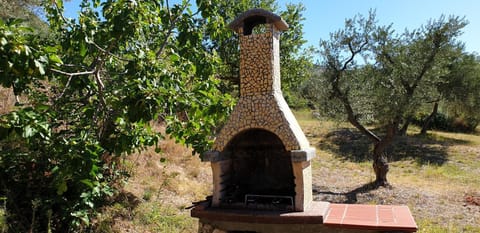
261	158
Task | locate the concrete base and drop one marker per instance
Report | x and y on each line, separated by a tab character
320	217
216	220
313	215
225	227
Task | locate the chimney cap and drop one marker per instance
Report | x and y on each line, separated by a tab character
253	17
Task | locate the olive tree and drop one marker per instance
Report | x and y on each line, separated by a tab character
369	74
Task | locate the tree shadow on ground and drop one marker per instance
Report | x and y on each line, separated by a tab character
351	145
349	197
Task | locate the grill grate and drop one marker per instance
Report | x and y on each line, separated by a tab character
269	202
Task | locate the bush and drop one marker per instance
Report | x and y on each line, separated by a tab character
295	100
443	122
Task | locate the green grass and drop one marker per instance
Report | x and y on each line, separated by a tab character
433	226
450	173
159	217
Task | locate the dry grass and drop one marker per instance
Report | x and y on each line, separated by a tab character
435	176
162	186
7	100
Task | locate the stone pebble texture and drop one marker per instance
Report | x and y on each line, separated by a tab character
261	104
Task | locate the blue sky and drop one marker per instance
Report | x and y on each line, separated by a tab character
326	16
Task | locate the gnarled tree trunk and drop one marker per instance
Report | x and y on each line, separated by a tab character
380	164
381	168
403	131
429	119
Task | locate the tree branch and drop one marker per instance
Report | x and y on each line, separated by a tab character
348	108
100	88
72	74
170	29
109	53
65	88
353	53
337	92
61	14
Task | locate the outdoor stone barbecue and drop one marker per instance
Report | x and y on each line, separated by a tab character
262	178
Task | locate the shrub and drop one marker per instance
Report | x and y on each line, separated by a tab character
447	123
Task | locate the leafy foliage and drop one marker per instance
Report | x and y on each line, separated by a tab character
441	121
91	89
459	91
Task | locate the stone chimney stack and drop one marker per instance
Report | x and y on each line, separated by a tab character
259	33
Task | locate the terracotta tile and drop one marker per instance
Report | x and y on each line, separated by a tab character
385	214
336	213
371	217
403	216
362	213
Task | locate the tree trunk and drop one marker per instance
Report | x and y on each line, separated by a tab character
380	165
429	119
403	131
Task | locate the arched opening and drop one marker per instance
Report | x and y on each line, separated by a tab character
253	22
261	174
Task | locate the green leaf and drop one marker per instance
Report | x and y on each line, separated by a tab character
87	182
83	48
59	3
55	59
27	50
28	131
62	187
40	67
55	169
50	49
82	215
174	58
3	41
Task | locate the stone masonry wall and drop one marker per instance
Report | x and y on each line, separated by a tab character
257	63
261	103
